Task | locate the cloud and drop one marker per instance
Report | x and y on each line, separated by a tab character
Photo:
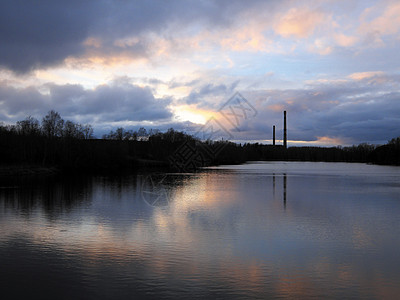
44	33
345	40
381	20
117	101
210	95
365	75
321	46
299	22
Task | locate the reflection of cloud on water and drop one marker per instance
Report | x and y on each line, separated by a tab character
225	227
155	191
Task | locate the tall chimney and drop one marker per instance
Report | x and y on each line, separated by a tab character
273	134
284	130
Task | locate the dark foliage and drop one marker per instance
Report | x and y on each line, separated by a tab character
388	154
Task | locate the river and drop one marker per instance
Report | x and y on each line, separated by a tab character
258	230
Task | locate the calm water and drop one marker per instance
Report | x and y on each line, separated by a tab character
261	230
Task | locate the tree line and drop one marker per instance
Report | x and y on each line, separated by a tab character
71	146
52	126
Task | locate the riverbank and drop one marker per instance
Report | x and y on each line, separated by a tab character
30	170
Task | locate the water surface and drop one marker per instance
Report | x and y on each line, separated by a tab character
259	230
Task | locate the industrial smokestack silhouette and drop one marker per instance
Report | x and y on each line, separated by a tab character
273	134
284	130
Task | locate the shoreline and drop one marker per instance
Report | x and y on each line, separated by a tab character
13	171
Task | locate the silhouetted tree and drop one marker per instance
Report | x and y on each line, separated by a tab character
29	126
88	131
395	141
52	124
388	154
142	132
129	135
70	130
119	134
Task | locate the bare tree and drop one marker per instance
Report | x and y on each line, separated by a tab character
119	133
87	131
28	126
69	130
52	124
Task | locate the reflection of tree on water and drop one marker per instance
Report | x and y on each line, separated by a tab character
54	195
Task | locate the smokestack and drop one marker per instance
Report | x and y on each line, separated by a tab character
284	130
273	134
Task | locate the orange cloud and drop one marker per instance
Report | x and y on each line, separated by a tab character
365	75
299	23
322	141
276	107
248	38
326	140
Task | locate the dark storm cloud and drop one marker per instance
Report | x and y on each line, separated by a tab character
117	101
38	34
205	94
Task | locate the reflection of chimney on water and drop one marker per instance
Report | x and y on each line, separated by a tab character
273	185
284	190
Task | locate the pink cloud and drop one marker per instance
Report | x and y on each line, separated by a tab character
298	22
365	75
345	40
380	20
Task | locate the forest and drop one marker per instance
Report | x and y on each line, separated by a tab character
69	146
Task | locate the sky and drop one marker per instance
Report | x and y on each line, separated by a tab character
332	65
